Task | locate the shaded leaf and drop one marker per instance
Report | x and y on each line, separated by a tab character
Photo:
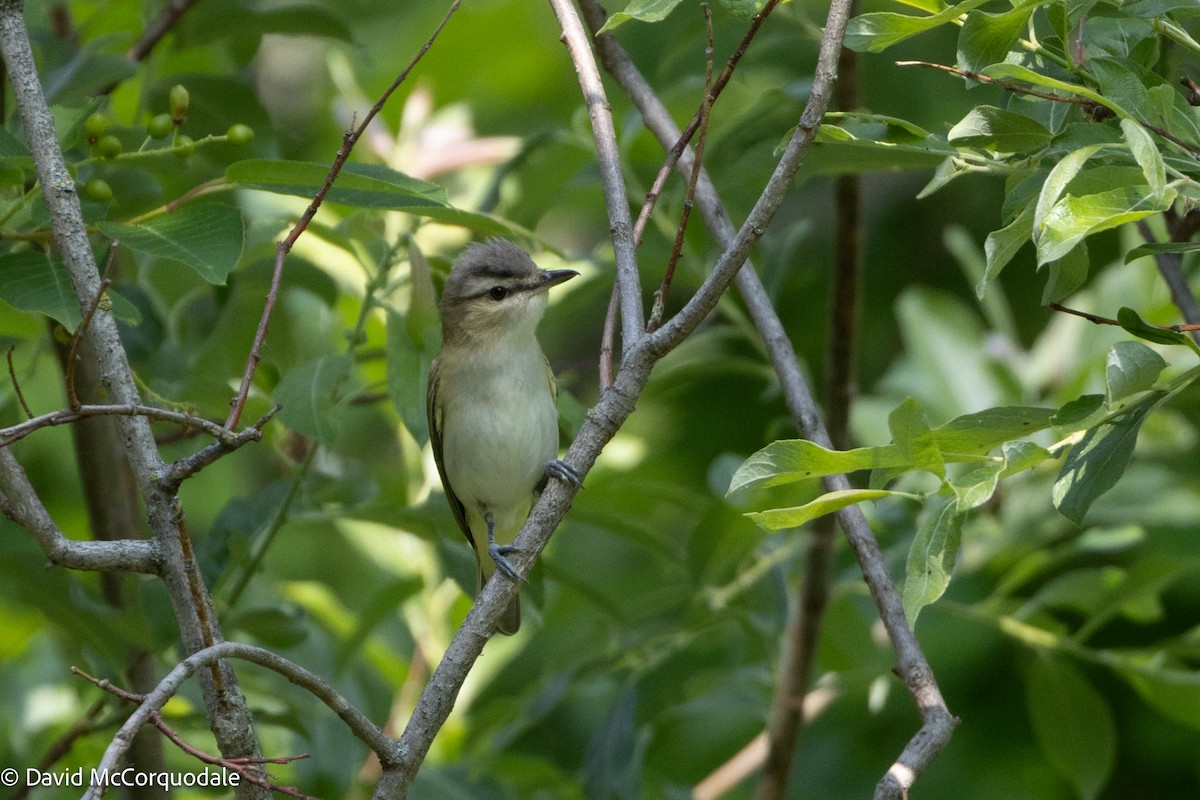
1000	130
409	358
986	38
975	487
365	185
1154	248
1098	461
978	433
932	555
208	238
1131	367
1133	323
1072	723
38	282
911	433
307	394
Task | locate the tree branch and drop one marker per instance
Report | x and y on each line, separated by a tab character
63	416
229	719
161	26
938	724
600	425
604	132
20	503
358	723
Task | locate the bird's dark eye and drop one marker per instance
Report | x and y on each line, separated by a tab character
498	293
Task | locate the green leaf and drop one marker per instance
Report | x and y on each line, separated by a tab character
1056	183
999	130
982	431
1072	219
1173	693
1145	152
364	185
38	282
208	238
1020	456
777	519
932	555
1000	246
1133	323
1131	368
1072	723
642	11
1126	86
274	627
1098	461
911	433
873	33
986	38
791	460
1079	413
307	394
1008	71
1065	275
1154	248
975	487
409	359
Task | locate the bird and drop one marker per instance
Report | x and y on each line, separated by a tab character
491	402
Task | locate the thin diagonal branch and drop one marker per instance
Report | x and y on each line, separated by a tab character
1170	266
607	156
349	140
66	415
358	723
160	27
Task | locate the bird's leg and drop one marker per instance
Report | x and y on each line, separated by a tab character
498	551
556	468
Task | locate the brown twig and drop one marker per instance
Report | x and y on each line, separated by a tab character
1099	320
349	140
1193	90
22	429
12	376
244	767
685	137
606	340
660	296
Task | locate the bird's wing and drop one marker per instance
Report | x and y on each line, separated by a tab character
433	408
550	379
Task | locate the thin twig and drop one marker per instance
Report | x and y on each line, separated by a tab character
245	767
660	295
16	384
358	723
1170	266
73	350
349	139
608	157
1099	320
188	466
19	431
606	338
157	29
685	137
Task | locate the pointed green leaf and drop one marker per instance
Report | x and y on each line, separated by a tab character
1065	275
873	33
1098	461
986	38
1072	723
975	487
1131	368
1000	130
208	238
777	519
1007	71
932	555
982	431
641	10
1072	219
1002	245
1145	152
365	185
1154	248
791	460
408	362
1056	183
1132	322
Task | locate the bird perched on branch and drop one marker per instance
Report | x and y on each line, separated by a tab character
493	421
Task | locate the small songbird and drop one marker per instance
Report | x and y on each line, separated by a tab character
493	421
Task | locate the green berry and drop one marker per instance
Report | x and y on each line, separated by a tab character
160	126
177	103
240	134
98	191
109	146
184	146
95	126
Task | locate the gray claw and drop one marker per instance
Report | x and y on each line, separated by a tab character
564	472
497	552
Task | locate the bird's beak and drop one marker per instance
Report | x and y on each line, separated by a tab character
554	277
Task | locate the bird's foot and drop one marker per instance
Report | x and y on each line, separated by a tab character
564	472
498	553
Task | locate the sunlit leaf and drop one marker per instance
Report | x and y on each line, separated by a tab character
779	518
911	433
932	555
642	11
1132	367
1000	130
